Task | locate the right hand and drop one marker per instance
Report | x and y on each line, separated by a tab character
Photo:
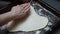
20	10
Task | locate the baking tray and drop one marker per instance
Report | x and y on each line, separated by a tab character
52	24
52	5
49	13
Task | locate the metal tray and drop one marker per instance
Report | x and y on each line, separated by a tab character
49	6
39	5
53	20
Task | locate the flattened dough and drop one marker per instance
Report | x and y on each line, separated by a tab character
32	22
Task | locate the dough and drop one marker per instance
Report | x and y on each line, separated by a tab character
32	22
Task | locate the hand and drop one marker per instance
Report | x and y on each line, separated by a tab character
20	10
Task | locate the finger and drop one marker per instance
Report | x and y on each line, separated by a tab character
26	11
26	8
24	5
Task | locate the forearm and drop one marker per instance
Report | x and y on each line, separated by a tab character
5	18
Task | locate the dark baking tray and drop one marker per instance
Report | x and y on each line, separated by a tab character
53	19
52	5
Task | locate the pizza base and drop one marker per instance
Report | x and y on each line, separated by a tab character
31	23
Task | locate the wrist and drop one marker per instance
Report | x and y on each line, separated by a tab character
13	14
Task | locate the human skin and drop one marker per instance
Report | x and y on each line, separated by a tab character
18	11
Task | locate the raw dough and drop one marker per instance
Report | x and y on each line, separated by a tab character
32	22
